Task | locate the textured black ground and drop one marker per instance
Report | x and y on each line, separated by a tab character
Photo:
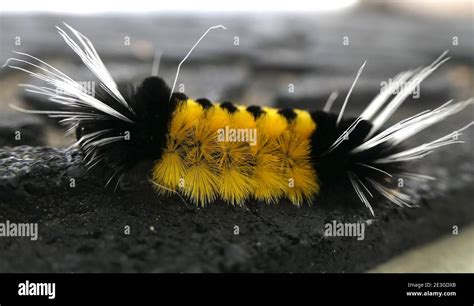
82	228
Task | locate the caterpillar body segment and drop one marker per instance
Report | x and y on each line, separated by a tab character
236	152
206	151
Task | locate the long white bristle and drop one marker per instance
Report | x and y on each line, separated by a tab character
398	100
92	60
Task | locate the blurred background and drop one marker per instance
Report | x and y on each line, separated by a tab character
291	53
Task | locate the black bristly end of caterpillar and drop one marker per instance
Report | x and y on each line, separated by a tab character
131	143
334	167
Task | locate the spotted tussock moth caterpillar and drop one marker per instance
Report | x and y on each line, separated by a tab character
206	151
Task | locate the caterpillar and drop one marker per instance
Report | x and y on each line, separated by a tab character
206	151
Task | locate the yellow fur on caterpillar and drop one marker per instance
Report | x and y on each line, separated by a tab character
277	166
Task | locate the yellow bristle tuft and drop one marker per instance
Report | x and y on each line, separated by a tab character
185	117
169	171
202	175
243	119
236	165
268	175
303	125
302	178
217	118
271	123
304	187
201	182
235	186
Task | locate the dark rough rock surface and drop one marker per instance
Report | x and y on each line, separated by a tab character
82	228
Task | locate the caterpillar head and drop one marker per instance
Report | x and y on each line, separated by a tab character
121	144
